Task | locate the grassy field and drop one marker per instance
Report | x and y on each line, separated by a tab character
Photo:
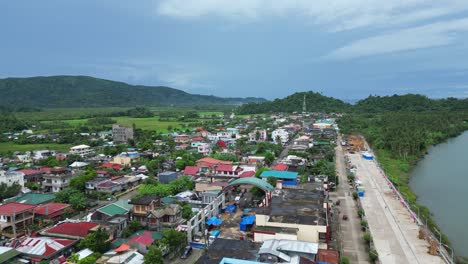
51	114
10	146
146	123
149	123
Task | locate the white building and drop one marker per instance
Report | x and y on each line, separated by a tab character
82	150
43	154
282	134
10	177
204	148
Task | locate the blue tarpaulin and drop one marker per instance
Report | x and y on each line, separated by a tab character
214	221
230	209
246	220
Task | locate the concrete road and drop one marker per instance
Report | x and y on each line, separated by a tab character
352	242
393	231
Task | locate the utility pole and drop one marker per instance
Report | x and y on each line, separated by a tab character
304	108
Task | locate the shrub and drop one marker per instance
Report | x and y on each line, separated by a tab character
367	238
344	260
363	225
360	213
355	195
373	255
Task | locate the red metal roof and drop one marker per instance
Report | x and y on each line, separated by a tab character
328	256
214	161
14	208
46	169
50	208
30	172
111	165
142	240
247	174
72	229
280	167
191	170
225	168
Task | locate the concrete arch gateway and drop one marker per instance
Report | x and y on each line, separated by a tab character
265	186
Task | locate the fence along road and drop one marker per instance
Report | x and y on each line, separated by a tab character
394	232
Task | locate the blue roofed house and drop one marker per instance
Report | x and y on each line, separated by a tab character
288	177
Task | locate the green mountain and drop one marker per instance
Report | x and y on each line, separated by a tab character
315	102
409	102
84	91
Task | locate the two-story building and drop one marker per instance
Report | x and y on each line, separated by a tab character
11	177
149	211
82	150
15	218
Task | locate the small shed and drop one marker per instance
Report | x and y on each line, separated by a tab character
167	176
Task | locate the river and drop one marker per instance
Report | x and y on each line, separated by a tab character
441	182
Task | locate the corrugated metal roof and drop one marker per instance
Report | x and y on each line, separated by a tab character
43	246
279	174
252	181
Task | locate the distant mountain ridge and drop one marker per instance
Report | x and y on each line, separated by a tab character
85	91
316	102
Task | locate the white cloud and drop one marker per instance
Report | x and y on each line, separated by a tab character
335	15
431	35
179	76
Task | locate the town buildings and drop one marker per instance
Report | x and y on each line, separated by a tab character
121	134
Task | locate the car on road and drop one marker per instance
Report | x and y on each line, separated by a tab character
187	252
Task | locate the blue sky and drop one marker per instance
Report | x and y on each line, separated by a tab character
265	48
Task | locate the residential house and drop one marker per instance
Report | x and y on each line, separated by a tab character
15	218
280	134
31	175
126	158
11	177
92	185
228	170
32	198
121	134
149	211
57	180
70	230
204	149
115	215
167	176
208	164
43	154
182	139
191	171
82	150
108	186
47	249
52	211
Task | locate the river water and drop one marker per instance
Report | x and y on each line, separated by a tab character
441	182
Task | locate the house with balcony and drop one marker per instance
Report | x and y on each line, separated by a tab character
58	179
15	218
151	213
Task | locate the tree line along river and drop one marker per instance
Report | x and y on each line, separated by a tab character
441	182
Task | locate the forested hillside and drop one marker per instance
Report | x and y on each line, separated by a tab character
84	91
315	102
409	102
